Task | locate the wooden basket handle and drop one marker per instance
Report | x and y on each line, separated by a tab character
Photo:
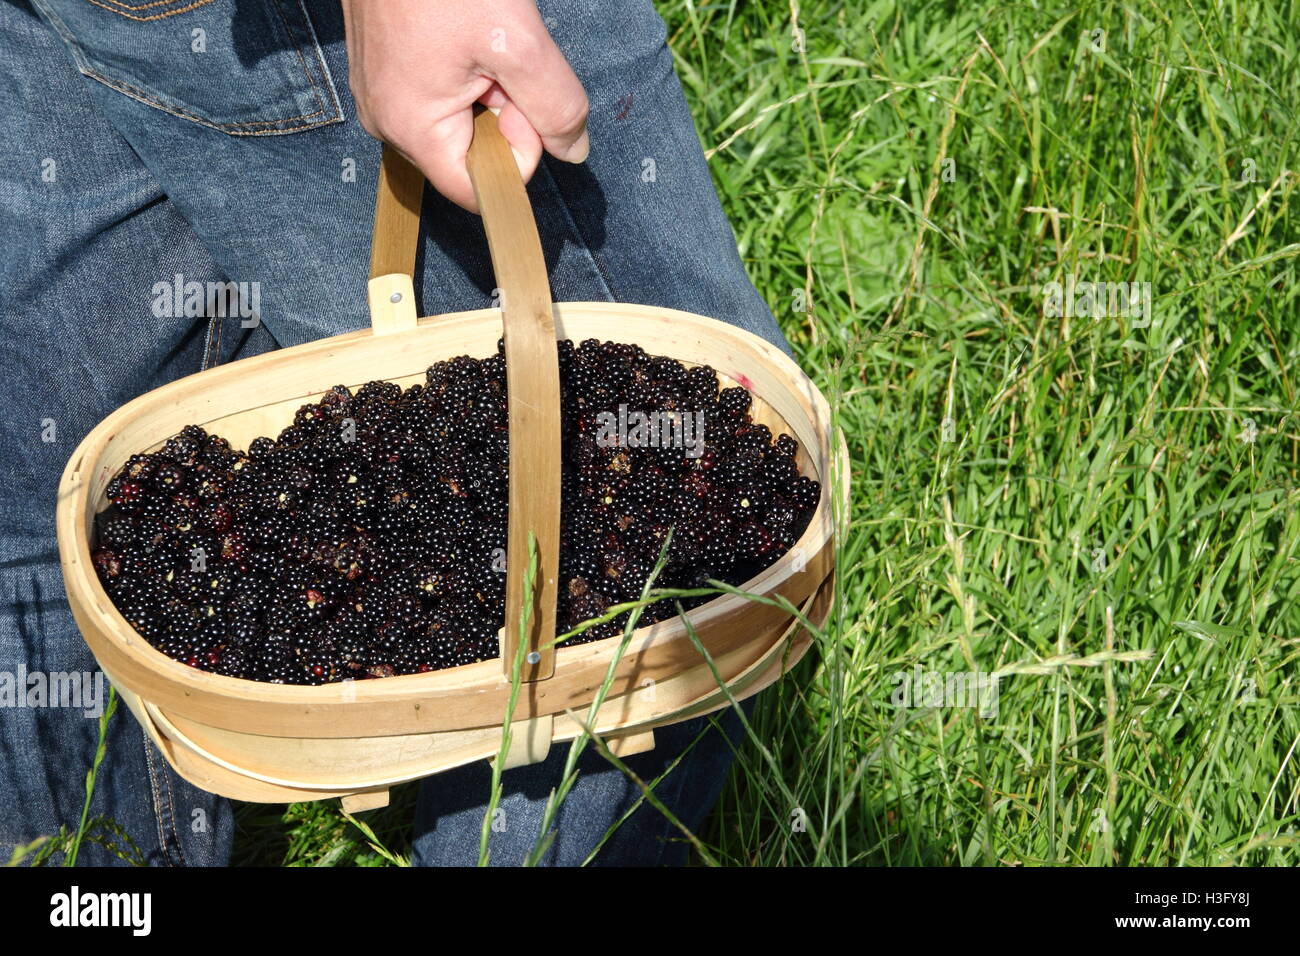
532	365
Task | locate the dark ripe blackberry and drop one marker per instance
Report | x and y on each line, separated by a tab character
148	624
396	499
261	448
645	539
360	495
146	561
116	530
177	646
182	612
734	402
781	515
700	387
786	446
341	474
405	608
383	393
265	497
388	524
219	584
783	540
276	661
216	517
166	513
183	449
242	631
614	565
185	502
754	542
805	493
718	554
299	476
284	498
280	617
368	606
753	441
347	633
780	471
407	659
707	460
669	372
266	564
306	416
348	562
737	470
384	472
632	581
584	605
232	662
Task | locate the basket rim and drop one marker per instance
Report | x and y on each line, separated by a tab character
73	537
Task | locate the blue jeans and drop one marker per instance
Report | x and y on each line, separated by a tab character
218	141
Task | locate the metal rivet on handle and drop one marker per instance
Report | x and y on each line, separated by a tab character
534	657
395	297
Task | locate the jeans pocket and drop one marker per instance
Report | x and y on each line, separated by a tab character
244	67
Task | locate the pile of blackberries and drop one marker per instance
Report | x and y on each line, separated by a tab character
369	538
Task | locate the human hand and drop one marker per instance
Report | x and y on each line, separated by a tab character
416	69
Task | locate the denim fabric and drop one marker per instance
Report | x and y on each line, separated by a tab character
449	816
81	217
218	140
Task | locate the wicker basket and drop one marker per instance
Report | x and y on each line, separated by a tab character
273	743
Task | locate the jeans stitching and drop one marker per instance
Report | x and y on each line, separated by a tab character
145	6
302	61
157	795
232	128
288	124
312	40
167	839
212	344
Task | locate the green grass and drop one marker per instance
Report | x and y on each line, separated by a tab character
1108	521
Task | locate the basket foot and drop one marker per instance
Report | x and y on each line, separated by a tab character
530	741
365	800
630	744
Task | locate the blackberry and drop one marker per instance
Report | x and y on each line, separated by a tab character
126	493
106	563
276	666
231	662
216	517
734	402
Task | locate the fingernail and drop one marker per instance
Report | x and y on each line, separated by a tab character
577	153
